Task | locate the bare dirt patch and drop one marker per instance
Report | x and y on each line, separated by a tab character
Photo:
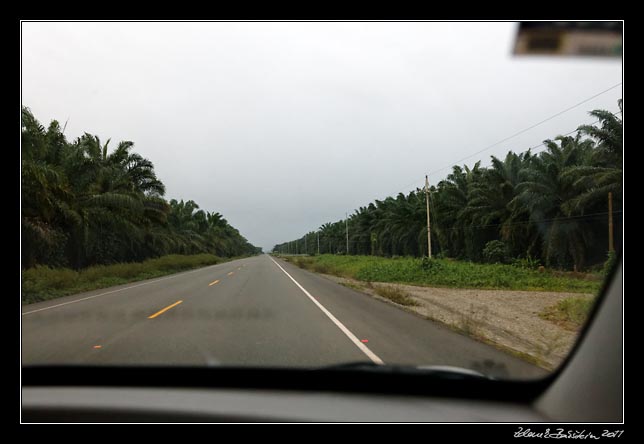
508	319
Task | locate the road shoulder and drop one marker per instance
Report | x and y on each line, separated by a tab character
506	319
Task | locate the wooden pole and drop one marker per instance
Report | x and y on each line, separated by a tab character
347	230
429	235
611	244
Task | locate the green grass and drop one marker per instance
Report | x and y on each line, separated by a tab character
43	283
395	294
391	292
447	273
570	313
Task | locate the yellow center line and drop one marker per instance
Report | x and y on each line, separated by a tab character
213	283
232	272
164	310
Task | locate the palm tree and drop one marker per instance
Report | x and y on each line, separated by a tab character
609	136
453	220
46	194
492	203
603	174
546	192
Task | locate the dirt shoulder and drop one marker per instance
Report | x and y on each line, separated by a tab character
508	319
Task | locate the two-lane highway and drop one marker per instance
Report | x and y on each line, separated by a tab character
252	312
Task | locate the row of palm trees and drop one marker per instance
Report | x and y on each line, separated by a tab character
549	206
84	204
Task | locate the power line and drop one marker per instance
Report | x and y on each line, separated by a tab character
528	128
531	148
516	134
519	133
541	144
571	132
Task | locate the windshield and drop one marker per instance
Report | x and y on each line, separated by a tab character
315	194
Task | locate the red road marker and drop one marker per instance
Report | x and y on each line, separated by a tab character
364	340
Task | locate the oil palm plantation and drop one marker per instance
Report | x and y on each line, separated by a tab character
84	204
550	206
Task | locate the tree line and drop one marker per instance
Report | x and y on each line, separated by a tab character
549	207
84	204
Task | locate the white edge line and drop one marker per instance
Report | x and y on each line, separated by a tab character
120	289
371	355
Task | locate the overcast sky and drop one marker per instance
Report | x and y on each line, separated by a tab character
282	127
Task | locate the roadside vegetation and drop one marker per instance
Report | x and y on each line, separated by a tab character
448	273
42	283
395	294
571	313
547	208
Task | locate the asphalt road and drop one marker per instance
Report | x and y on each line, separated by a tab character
251	312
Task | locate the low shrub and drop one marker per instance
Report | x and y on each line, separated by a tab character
569	312
395	294
495	252
611	261
528	262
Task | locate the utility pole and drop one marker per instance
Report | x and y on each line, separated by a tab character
346	215
611	245
306	247
429	234
318	243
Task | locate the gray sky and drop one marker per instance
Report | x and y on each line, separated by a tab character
284	126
